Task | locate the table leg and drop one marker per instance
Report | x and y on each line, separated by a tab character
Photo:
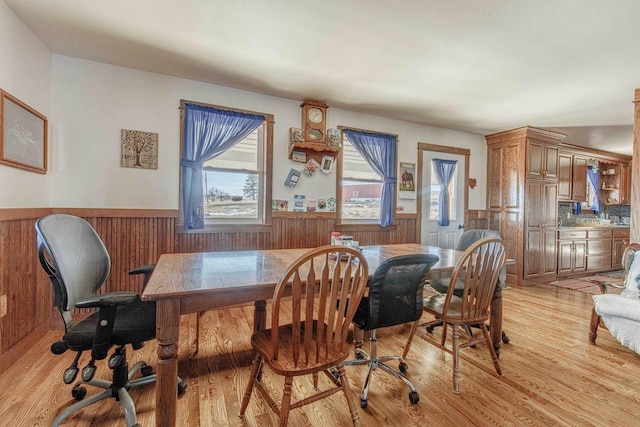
167	332
260	316
496	319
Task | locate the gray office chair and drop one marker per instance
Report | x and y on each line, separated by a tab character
395	297
441	284
78	263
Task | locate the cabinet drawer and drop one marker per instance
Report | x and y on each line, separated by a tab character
598	262
599	233
621	232
572	234
599	247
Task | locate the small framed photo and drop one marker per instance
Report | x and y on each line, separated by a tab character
292	178
296	135
311	167
23	135
333	138
299	156
327	164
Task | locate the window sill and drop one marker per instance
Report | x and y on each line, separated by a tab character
364	227
228	228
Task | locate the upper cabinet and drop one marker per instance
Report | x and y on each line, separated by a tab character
572	177
615	183
542	159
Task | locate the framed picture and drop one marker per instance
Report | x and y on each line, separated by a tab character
292	178
327	164
299	156
407	173
23	135
139	149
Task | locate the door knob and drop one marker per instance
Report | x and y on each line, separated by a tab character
461	226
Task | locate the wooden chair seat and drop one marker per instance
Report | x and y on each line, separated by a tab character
262	343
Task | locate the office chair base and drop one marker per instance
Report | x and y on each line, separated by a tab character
118	391
374	361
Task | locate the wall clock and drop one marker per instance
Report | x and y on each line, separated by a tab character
314	121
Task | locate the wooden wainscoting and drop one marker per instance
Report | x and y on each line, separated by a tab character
137	237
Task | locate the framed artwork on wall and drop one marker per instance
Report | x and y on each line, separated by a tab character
23	135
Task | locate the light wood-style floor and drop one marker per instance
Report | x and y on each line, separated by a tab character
552	377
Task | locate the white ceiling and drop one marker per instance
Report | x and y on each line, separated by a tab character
478	66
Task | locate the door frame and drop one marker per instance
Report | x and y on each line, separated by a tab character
423	146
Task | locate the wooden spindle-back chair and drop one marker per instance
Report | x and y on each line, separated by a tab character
323	288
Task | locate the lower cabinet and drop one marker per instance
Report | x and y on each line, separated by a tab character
599	250
591	250
620	242
572	252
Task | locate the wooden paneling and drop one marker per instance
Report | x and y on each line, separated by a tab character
136	237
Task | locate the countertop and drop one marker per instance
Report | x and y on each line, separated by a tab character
598	227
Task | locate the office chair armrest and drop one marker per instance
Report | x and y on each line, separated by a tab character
143	269
111	299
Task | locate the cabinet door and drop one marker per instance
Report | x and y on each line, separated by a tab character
535	158
580	256
565	256
542	160
579	179
550	162
619	244
565	170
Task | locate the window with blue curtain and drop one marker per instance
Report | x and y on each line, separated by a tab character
208	132
444	171
379	152
593	178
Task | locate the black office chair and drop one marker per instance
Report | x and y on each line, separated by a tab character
78	263
395	297
441	284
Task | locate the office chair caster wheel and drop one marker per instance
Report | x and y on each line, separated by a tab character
78	392
505	338
182	387
146	370
413	397
430	329
363	403
403	367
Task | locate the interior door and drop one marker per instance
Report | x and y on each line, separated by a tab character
432	233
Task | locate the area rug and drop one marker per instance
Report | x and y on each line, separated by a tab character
587	285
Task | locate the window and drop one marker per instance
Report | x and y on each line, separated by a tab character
361	187
366	178
224	176
434	196
233	181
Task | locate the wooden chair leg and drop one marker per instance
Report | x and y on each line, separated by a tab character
443	338
593	327
255	368
286	401
407	346
315	381
492	351
346	389
456	357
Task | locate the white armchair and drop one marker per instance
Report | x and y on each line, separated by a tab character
620	313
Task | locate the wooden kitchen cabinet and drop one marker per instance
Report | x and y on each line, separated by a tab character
572	251
572	177
522	192
620	242
599	250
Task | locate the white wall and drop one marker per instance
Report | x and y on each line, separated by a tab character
25	72
94	101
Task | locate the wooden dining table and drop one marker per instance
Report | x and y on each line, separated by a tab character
183	283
